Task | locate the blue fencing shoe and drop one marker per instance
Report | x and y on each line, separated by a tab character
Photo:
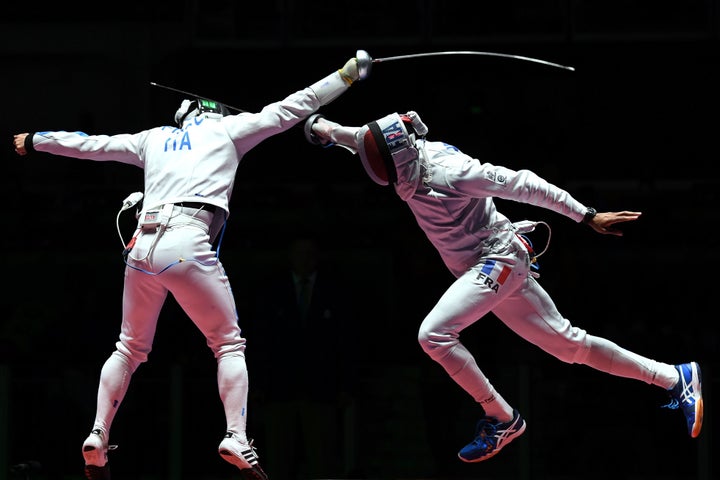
491	437
686	395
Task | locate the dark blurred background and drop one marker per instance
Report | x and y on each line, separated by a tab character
634	127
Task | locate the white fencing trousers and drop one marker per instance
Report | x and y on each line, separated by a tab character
502	284
198	282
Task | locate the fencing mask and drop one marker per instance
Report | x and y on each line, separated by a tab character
389	141
193	108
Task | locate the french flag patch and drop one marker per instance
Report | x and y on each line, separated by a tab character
493	274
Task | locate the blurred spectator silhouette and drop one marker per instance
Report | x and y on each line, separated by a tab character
302	363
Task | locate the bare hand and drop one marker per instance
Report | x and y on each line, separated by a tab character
603	222
19	143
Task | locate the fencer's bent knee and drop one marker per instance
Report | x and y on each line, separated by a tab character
132	356
436	345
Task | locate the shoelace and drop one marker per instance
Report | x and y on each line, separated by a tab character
485	433
251	453
684	396
255	472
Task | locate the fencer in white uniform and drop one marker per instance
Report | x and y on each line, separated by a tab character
451	196
189	172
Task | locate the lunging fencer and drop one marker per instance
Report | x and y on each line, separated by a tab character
451	196
189	173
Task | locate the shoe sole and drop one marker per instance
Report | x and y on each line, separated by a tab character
93	472
506	440
241	456
229	457
697	425
254	473
94	455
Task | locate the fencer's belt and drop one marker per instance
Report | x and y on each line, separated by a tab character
198	206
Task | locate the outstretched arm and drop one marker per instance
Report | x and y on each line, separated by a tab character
603	222
332	86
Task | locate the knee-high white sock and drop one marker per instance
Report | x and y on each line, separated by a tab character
233	384
608	357
115	378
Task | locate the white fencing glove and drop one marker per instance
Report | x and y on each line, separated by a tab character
349	71
357	68
335	84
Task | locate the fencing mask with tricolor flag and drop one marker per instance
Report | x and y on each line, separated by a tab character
389	142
